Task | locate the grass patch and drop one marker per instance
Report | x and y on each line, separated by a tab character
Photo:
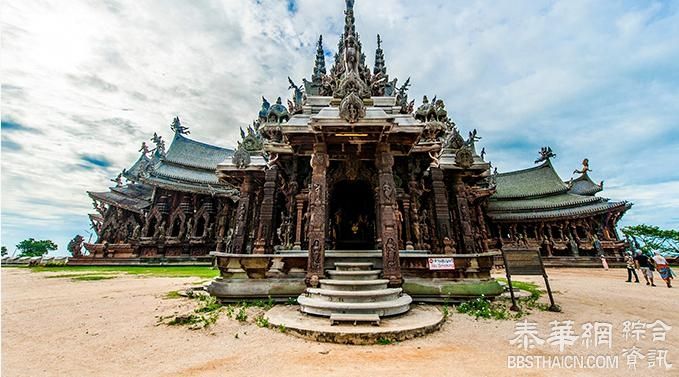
63	276
204	272
384	341
172	295
262	321
205	315
481	307
92	277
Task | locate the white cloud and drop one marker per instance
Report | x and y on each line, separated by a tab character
592	79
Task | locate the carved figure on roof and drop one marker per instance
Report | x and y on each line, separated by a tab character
425	111
241	157
264	110
118	180
545	154
352	108
278	113
144	149
433	131
177	127
473	138
585	167
483	152
295	107
402	98
252	141
454	140
160	145
440	111
464	157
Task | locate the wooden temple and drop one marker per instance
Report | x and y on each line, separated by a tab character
348	170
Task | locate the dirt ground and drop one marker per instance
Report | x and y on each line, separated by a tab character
61	327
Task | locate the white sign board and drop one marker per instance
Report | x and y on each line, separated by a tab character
441	264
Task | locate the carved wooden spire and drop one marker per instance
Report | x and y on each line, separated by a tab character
319	63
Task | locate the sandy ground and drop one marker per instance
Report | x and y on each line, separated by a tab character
61	327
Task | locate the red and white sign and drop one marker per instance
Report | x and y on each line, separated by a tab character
441	264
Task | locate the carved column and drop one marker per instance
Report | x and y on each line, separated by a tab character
242	216
390	253
318	208
441	211
464	216
406	219
266	214
299	201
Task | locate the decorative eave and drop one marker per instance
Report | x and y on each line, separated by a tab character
115	199
561	214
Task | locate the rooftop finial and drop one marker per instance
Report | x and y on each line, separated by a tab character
380	66
349	27
319	63
545	154
177	127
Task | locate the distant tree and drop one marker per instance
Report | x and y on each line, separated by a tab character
652	238
3	250
33	248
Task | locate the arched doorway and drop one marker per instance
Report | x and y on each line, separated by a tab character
352	215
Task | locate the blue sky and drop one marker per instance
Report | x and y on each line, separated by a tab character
85	82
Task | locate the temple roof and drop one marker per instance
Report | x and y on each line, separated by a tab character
190	166
583	185
535	181
191	153
539	193
135	170
133	197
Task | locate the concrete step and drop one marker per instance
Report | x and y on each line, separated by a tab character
355	296
353	285
354	275
336	318
353	266
316	306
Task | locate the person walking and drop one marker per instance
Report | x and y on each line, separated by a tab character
663	269
631	267
644	264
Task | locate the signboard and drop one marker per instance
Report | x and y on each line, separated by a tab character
441	264
526	262
523	262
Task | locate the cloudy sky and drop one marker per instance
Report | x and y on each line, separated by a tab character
85	82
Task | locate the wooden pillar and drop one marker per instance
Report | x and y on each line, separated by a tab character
242	216
299	202
266	212
406	220
441	211
390	253
464	216
318	208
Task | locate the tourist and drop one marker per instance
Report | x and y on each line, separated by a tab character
631	267
644	263
663	269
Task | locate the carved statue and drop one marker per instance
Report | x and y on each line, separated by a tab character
229	241
295	107
177	127
264	110
278	113
241	157
573	246
144	149
189	228
585	167
545	154
402	98
75	246
160	145
118	180
159	234
210	232
425	111
136	232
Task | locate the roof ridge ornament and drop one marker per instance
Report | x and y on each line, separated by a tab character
585	168
545	154
177	127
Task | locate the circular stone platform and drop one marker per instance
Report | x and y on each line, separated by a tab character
419	321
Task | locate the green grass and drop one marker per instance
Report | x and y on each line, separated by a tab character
92	277
172	295
204	272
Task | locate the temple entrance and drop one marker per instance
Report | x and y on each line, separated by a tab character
352	215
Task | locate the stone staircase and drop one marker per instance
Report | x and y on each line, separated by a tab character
354	293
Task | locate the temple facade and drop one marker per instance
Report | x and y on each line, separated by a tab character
348	168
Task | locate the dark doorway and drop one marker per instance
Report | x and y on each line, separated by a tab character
352	215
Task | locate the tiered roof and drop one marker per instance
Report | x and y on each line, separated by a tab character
538	193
